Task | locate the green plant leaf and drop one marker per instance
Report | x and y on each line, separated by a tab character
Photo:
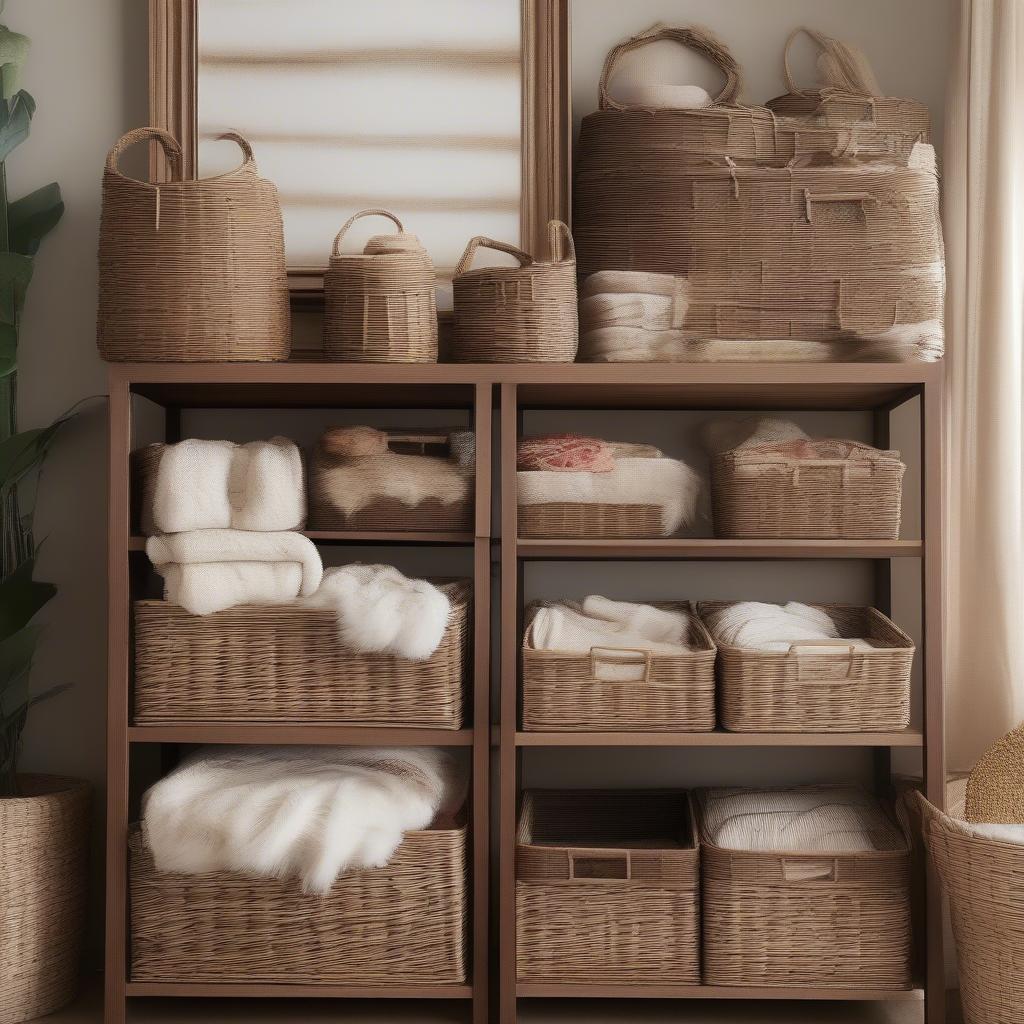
24	451
21	597
15	274
33	217
15	121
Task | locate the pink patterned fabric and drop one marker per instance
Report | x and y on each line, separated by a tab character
564	453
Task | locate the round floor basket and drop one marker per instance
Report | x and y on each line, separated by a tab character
191	271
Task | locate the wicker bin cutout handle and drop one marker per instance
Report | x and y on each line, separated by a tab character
375	212
618	657
810	198
809	870
849	69
811	668
599	865
692	38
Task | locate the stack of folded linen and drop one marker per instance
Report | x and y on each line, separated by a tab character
758	626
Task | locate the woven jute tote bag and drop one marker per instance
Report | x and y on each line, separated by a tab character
524	314
191	270
607	888
380	305
44	843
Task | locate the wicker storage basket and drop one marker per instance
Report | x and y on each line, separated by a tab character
284	663
758	492
822	920
807	690
569	692
983	882
590	522
607	889
403	924
380	306
995	788
524	314
191	271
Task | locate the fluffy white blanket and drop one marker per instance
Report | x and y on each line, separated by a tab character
207	571
758	626
379	609
305	812
219	485
667	483
724	434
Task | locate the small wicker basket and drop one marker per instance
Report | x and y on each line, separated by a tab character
607	888
524	314
380	306
570	692
588	521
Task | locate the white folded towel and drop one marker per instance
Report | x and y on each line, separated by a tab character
306	812
659	624
207	571
220	485
756	625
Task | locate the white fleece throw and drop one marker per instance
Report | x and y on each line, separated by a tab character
219	485
725	434
667	483
296	812
758	626
380	610
207	571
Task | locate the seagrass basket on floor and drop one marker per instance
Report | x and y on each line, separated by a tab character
524	314
819	685
402	924
616	690
848	491
380	306
285	664
191	270
607	888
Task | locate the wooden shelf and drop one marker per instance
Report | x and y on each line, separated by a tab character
137	543
314	735
598	991
716	548
245	990
719	738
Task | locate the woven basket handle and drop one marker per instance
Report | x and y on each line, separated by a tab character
169	144
375	212
560	243
242	143
700	40
482	241
610	857
850	71
825	869
620	656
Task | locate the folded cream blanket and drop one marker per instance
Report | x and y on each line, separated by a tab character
725	433
296	812
667	483
759	626
207	571
220	485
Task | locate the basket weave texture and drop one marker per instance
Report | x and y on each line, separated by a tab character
524	314
590	521
815	919
607	888
44	843
565	691
806	690
191	271
401	924
756	492
381	306
995	788
284	663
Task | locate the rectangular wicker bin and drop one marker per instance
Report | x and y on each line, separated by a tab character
403	924
805	919
607	888
284	664
564	691
590	521
806	689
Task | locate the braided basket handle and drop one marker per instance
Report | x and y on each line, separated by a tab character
560	243
169	144
374	212
700	40
482	241
851	71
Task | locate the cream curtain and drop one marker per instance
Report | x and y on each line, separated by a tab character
984	228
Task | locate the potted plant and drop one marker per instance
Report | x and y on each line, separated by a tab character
43	819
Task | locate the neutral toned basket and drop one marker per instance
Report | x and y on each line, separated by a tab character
191	271
755	492
403	924
524	314
590	521
983	882
995	787
607	888
284	663
44	856
828	920
565	691
380	307
806	690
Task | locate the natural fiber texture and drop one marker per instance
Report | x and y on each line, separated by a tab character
380	306
44	843
191	271
995	788
524	314
283	663
403	924
590	522
565	691
850	690
848	491
791	919
607	888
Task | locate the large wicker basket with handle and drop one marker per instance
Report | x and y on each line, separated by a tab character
191	271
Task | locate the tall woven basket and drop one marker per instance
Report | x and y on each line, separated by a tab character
191	271
524	314
380	305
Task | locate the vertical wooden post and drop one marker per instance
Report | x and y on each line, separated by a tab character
882	756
